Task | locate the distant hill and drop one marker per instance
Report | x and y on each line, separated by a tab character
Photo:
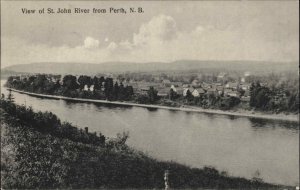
182	65
5	73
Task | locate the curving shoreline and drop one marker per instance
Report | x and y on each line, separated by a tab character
292	118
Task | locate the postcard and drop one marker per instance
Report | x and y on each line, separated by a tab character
149	94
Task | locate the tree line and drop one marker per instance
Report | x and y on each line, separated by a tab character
273	99
103	88
277	98
70	86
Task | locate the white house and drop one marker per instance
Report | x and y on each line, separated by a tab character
195	93
173	87
92	88
231	93
245	86
85	88
185	91
232	85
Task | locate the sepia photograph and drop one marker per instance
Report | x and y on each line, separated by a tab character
186	94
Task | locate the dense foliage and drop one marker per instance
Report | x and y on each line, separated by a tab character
280	92
48	123
280	95
34	157
265	98
103	88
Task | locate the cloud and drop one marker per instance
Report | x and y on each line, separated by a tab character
158	29
146	44
20	51
112	46
91	43
159	39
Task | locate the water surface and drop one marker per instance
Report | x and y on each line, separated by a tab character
239	145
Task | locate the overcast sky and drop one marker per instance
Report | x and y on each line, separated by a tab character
166	31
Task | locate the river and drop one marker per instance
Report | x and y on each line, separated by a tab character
238	145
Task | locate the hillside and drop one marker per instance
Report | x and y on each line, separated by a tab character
182	65
35	154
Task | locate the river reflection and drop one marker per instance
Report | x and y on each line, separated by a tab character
238	145
258	123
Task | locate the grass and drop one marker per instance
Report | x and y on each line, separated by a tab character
34	159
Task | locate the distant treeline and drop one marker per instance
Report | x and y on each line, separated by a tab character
262	98
103	88
70	86
276	97
39	152
280	94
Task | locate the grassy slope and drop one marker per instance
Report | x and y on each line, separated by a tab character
30	159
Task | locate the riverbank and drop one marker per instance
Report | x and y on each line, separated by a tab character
240	113
33	157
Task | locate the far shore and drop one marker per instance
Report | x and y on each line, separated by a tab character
242	113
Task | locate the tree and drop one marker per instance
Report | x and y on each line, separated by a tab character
10	96
101	81
142	99
50	87
108	88
227	103
116	91
189	95
293	102
96	82
262	98
259	96
122	92
212	99
85	80
172	94
128	92
39	83
253	92
10	80
70	82
152	95
119	142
